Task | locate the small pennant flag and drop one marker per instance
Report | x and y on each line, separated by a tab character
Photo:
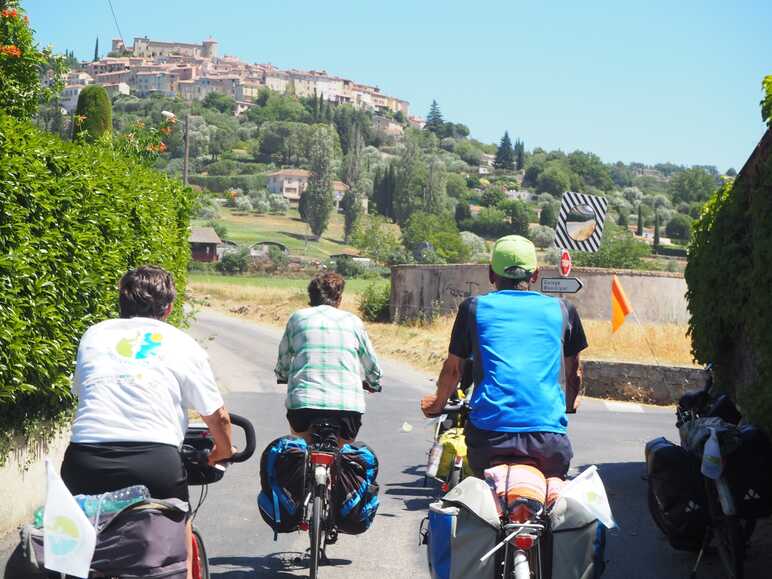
620	306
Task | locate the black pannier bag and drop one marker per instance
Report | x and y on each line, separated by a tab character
283	484
676	494
748	470
355	494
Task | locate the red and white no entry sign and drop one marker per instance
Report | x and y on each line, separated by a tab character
565	263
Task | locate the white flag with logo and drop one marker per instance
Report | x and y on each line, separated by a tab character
587	490
69	537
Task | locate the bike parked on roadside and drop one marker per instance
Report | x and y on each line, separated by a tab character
714	486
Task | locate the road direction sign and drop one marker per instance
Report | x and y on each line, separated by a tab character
561	285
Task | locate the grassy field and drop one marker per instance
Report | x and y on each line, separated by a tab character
354	285
246	229
272	300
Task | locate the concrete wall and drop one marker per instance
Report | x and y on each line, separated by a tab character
430	290
23	481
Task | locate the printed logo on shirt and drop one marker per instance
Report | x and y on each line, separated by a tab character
140	347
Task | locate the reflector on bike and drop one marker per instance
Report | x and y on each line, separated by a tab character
524	542
322	458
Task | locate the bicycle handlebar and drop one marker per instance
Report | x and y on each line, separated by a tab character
249	433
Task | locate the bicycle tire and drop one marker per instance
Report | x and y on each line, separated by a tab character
315	530
730	538
200	561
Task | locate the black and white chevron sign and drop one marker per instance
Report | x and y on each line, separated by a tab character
572	201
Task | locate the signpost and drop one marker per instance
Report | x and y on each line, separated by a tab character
561	285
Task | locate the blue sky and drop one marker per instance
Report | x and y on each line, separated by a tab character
648	81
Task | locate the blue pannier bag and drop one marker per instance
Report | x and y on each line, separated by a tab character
462	527
355	494
282	478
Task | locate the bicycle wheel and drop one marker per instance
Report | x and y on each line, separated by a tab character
730	539
200	562
315	530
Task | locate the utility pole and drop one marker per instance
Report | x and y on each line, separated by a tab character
187	150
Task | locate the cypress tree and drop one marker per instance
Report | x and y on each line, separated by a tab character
639	228
96	50
434	121
519	155
622	221
656	231
319	200
94	105
547	216
505	157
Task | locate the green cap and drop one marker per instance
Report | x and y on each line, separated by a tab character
514	257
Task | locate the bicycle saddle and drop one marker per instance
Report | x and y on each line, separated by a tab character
325	432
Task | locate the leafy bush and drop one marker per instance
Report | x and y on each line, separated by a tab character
542	236
679	227
347	267
74	219
671	251
94	114
223	183
21	91
259	200
438	231
374	302
278	204
278	257
619	249
244	204
490	222
234	262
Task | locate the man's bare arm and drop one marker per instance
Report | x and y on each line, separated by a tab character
573	383
432	404
219	425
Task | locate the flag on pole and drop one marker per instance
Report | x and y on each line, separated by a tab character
620	306
69	537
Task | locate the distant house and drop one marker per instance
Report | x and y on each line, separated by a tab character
203	243
292	182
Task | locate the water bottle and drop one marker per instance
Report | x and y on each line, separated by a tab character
711	457
112	502
434	460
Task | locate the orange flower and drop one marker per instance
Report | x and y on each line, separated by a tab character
162	148
10	13
166	130
80	118
26	20
10	50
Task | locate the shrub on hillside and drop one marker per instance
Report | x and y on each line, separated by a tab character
93	115
618	250
374	302
233	262
74	219
223	183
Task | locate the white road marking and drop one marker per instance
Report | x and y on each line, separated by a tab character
612	406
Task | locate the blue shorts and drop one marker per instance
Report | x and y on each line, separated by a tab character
550	452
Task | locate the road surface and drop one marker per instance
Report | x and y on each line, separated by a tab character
240	545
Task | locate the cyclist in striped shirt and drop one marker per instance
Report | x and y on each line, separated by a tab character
327	361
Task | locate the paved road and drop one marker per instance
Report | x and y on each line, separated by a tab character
241	545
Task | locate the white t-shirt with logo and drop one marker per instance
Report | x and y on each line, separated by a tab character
135	379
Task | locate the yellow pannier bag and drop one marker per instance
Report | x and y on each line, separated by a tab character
453	444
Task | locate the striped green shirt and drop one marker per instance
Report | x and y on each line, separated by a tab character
324	355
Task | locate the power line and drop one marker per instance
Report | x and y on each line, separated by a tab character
115	19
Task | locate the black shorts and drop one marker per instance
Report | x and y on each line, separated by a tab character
92	469
550	452
300	420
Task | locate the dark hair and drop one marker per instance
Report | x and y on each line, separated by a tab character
326	289
146	292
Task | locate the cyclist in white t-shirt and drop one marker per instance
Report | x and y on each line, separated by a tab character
135	379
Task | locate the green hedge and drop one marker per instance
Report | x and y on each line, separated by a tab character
73	219
223	183
671	251
729	275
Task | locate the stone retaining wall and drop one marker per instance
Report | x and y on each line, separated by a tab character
23	481
640	382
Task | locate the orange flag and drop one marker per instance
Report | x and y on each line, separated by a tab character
620	306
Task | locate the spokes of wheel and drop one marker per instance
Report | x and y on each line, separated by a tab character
315	530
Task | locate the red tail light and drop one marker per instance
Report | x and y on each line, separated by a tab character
445	486
524	542
322	458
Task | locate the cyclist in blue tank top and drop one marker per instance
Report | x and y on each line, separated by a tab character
526	349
